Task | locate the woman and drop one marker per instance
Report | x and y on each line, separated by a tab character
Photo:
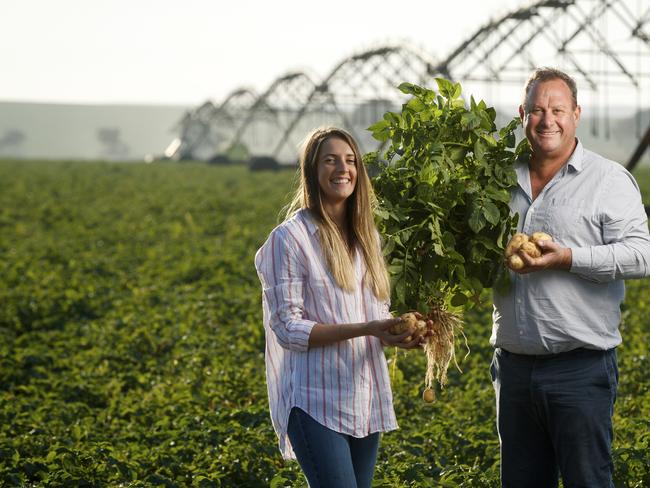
325	299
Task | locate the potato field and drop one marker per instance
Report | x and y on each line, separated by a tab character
131	341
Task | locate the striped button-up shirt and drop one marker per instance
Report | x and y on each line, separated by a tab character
592	206
343	386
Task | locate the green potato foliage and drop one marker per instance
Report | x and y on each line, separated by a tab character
443	188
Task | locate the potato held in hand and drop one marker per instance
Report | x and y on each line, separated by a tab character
409	323
540	236
515	262
515	243
525	243
531	249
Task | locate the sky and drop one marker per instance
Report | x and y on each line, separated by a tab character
187	51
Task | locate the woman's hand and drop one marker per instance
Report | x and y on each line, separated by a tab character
379	328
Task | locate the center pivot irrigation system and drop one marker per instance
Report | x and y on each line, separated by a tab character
603	44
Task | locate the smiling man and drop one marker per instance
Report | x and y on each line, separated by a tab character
555	331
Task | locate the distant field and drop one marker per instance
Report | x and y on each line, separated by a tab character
131	344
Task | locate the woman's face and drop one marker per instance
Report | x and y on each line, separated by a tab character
337	171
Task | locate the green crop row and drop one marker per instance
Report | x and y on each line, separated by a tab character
131	343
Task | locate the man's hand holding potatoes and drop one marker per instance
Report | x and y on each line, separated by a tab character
525	254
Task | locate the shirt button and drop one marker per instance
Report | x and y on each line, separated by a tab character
518	300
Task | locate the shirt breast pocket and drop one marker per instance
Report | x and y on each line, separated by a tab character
563	217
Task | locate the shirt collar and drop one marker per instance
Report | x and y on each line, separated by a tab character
575	161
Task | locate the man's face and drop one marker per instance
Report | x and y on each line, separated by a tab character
550	119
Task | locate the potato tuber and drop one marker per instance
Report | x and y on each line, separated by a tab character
540	236
515	262
525	243
531	249
409	323
515	243
428	395
399	328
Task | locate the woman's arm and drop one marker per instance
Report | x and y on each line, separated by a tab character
281	271
325	334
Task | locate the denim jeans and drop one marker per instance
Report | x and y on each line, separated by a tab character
554	415
329	458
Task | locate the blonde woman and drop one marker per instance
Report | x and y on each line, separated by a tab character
325	302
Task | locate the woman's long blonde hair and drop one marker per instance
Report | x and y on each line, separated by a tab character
360	220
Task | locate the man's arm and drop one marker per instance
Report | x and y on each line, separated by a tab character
625	249
625	252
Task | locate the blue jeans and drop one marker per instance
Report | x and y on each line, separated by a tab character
329	458
554	415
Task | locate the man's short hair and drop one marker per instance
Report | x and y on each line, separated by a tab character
546	74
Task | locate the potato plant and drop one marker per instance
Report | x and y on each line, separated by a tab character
443	189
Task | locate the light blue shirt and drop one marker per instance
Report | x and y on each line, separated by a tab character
594	207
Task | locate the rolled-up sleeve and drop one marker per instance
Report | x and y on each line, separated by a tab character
282	274
625	252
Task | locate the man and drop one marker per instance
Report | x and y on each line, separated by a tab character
556	329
